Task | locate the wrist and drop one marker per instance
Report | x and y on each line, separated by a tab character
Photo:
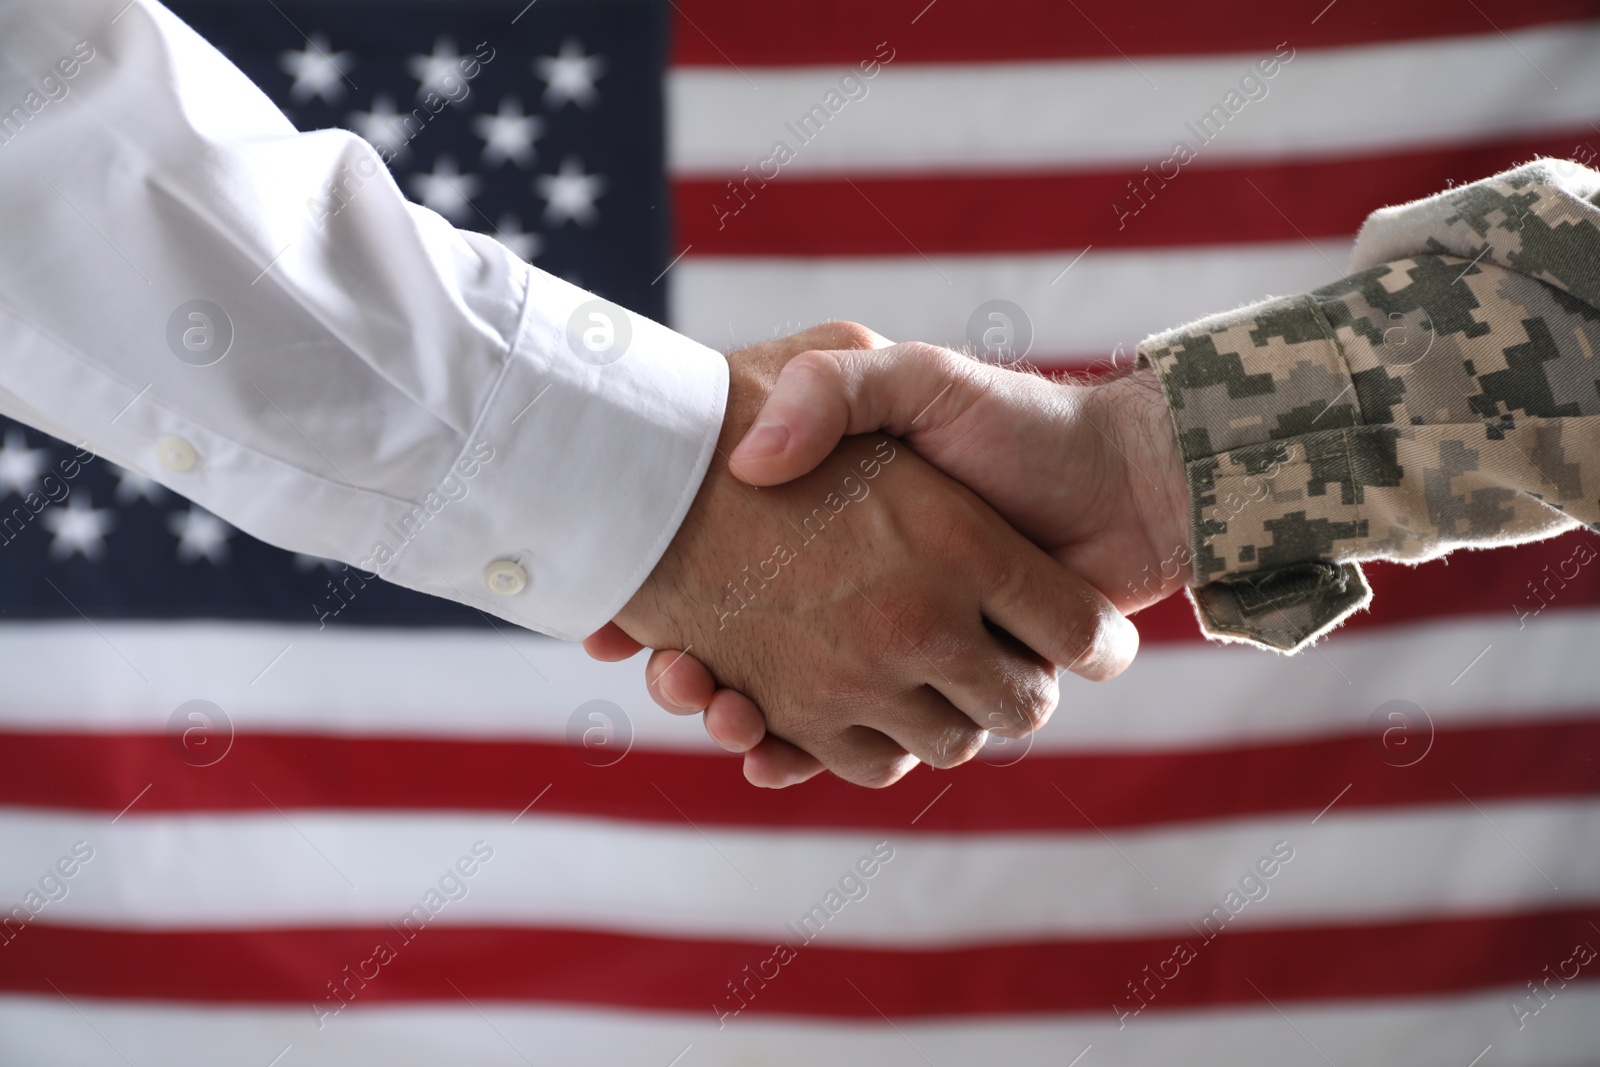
1133	409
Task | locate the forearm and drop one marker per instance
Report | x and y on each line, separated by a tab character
1132	416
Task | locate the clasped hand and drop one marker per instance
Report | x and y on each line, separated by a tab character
865	603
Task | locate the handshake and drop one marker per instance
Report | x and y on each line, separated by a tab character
863	603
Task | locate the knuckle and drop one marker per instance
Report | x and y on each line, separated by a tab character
955	745
1020	696
1034	702
846	334
863	756
1115	644
960	368
1089	639
880	774
929	353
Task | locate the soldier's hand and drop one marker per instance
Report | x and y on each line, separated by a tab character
1090	473
1051	462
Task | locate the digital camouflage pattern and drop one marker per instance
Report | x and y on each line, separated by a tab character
1445	394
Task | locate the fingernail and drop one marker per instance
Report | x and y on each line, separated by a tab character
672	698
726	744
764	439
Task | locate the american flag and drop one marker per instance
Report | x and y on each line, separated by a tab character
260	809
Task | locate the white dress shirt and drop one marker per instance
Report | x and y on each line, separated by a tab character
371	399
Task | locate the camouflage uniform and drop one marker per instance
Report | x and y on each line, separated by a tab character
1447	393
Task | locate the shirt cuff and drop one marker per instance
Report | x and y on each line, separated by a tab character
577	474
1264	406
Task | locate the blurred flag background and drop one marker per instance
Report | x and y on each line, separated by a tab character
258	809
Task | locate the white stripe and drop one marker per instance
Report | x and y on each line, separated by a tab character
351	680
983	117
1419	1033
1203	694
473	684
1111	298
676	880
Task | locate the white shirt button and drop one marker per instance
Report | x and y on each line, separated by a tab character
176	454
505	578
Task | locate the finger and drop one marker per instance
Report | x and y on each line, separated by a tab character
935	731
734	721
776	764
995	684
822	396
1057	614
678	682
839	334
610	644
864	756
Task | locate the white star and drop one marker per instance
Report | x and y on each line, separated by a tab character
523	245
304	561
200	535
383	127
570	75
79	528
131	486
317	71
20	466
445	189
432	71
508	134
570	194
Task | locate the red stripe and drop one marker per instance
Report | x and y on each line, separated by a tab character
447	964
1544	760
1201	204
717	33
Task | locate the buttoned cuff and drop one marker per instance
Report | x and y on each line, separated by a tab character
1263	403
577	475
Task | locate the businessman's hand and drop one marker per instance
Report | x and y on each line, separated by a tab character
879	613
1090	472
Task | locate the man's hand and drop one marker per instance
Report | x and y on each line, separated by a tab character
1091	473
879	613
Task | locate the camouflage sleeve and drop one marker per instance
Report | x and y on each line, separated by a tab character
1447	396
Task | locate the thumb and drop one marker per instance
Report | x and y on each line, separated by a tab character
821	397
611	643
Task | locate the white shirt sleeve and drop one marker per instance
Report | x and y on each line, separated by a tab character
391	392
